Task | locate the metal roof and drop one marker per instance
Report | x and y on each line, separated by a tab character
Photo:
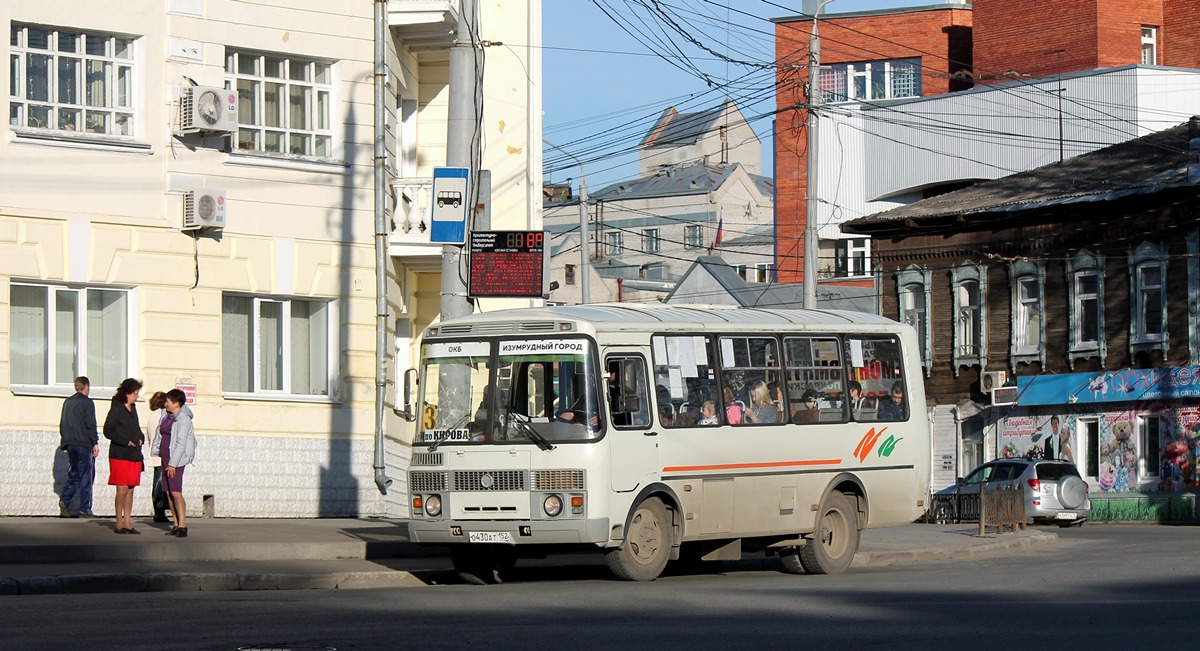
673	128
698	178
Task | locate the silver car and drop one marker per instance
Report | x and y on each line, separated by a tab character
1054	492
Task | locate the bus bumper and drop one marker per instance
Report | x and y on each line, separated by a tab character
535	532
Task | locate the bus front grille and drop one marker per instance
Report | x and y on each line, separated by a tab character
489	480
426	482
427	459
557	480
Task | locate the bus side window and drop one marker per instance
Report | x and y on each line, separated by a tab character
627	392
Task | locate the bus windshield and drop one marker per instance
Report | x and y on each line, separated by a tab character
511	391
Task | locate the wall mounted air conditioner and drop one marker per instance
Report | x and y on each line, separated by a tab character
203	209
208	111
989	380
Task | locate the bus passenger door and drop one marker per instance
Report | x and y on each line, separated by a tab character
632	439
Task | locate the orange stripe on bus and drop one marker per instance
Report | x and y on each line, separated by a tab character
765	464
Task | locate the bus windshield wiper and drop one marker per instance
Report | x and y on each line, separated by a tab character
528	430
445	433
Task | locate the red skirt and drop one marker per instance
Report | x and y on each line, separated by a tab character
124	473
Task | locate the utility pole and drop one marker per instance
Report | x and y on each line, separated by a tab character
811	248
584	235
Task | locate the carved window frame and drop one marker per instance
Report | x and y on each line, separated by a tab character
1193	276
973	353
1085	262
1019	272
1146	255
914	276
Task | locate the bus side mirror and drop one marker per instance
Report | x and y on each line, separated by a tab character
410	380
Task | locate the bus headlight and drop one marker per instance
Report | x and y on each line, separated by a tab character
553	505
433	506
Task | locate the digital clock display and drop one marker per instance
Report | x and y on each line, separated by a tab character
510	264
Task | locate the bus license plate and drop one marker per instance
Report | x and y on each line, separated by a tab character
490	537
1066	515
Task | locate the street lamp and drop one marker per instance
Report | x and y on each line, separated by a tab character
584	282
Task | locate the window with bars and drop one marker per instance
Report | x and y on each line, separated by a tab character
284	104
651	241
59	332
71	80
278	346
870	80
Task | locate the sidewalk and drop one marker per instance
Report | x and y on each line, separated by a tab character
52	555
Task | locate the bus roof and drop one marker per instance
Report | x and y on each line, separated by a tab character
615	315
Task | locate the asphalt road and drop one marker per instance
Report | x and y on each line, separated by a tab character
1104	586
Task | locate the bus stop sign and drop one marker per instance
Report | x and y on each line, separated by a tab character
450	198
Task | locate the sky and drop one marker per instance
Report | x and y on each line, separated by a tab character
610	67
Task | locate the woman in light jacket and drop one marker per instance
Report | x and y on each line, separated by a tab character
175	441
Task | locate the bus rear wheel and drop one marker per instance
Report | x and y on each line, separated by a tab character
834	543
647	545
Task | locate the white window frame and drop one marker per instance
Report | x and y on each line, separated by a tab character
1149	45
614	243
970	320
1147	256
1147	467
764	272
320	140
569	274
287	391
55	385
870	80
651	240
1082	265
1028	285
693	236
110	117
852	257
912	284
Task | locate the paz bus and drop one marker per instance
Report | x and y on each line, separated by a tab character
664	433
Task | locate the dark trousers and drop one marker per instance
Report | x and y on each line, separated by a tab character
81	474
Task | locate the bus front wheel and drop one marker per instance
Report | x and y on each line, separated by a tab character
833	545
647	545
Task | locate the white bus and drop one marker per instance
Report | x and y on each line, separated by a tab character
719	430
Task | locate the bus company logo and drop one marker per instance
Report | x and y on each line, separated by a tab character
868	441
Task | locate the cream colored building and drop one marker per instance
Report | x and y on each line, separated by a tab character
270	319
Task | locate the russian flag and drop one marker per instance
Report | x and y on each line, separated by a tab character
717	238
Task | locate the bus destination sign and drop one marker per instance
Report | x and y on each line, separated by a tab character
511	264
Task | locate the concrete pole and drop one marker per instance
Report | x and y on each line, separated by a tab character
381	232
462	149
811	203
584	234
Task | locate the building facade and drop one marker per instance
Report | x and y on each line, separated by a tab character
223	242
1057	310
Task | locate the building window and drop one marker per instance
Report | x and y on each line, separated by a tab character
284	104
913	286
969	285
654	271
613	243
852	257
278	346
651	242
58	333
871	80
1147	280
1193	280
764	272
570	274
740	269
1148	448
1085	318
1028	312
693	237
1149	46
72	81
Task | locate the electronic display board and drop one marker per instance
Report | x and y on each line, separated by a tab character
511	264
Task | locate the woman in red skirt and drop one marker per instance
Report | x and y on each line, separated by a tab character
125	451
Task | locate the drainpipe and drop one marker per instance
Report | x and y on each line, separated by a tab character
382	481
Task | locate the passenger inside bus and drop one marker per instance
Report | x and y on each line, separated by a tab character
808	411
708	413
893	409
762	408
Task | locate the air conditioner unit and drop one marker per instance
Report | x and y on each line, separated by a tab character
203	209
205	110
989	380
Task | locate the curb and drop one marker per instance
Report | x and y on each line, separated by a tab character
1014	543
204	582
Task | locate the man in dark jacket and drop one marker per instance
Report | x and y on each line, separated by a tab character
77	427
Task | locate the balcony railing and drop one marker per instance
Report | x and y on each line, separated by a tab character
409	236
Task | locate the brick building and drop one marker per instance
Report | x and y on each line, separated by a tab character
886	58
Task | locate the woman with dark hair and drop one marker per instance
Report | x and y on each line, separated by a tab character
175	442
125	450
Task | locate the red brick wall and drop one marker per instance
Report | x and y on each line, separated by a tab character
1179	38
941	37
